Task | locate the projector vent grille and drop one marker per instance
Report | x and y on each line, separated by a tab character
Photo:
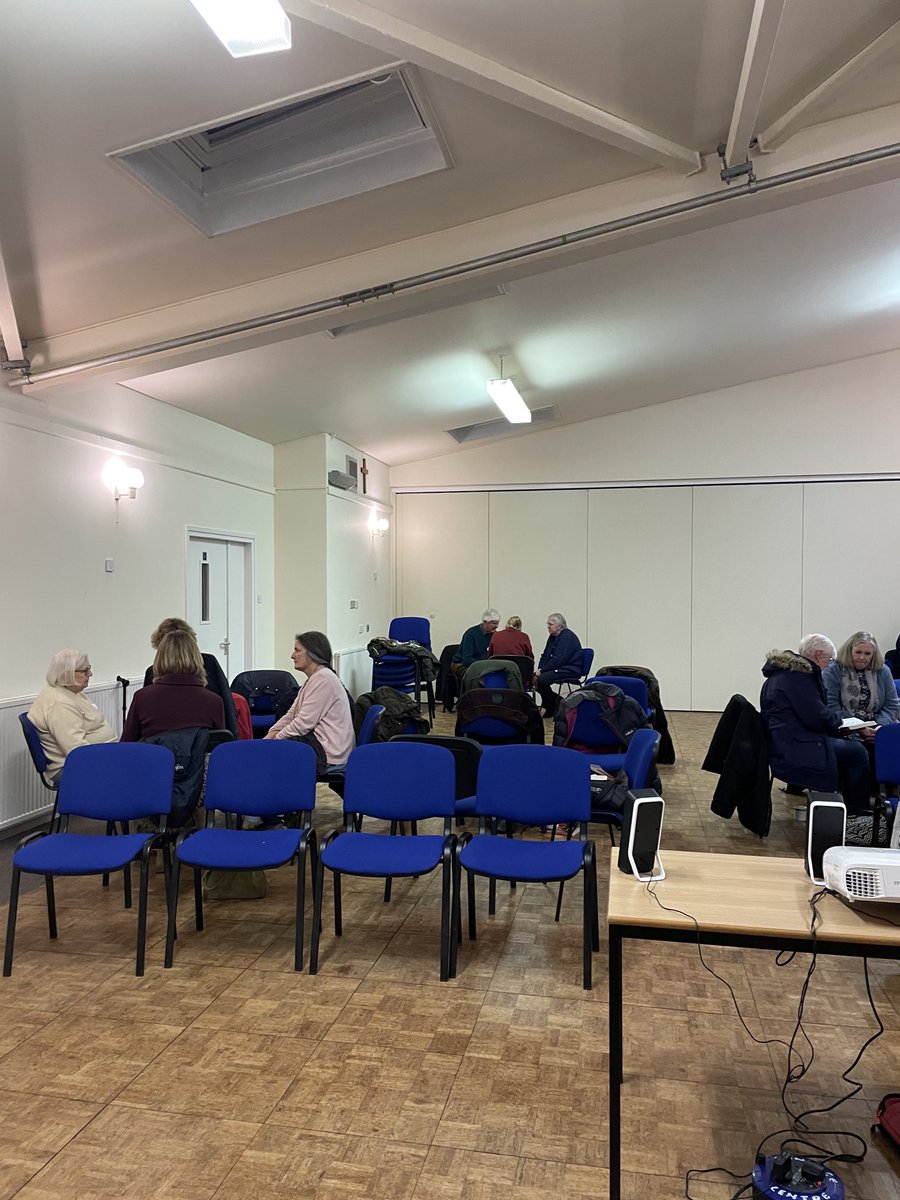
865	883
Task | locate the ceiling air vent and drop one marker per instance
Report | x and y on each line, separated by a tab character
502	428
307	151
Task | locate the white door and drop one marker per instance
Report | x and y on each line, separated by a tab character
218	579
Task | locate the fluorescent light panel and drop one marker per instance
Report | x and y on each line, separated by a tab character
247	27
505	395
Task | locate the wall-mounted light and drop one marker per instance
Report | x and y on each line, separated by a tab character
247	26
123	481
505	395
378	526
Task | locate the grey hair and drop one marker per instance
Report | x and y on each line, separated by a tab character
63	665
559	619
845	657
490	614
814	643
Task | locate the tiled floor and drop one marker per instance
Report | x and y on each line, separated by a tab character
231	1076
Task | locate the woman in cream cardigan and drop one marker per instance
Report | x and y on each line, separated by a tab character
63	717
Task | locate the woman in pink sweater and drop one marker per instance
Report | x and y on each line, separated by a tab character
320	716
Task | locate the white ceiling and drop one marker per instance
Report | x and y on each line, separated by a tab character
522	92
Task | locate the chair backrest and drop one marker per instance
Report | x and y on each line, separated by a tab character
587	658
466	756
36	750
887	754
534	785
411	629
262	778
370	724
117	781
591	731
526	667
640	757
266	692
492	673
631	686
498	715
400	781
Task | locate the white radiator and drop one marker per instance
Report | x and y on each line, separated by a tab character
23	798
354	669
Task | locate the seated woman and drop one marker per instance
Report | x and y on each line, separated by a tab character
561	660
215	676
804	742
858	684
320	716
511	640
178	698
63	717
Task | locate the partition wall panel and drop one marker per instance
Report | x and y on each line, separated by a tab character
537	562
639	583
747	577
851	564
442	561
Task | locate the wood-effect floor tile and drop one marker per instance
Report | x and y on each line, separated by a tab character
374	1091
83	1058
282	1163
18	1024
223	943
541	1031
50	982
172	997
298	1006
459	1174
126	1154
423	1018
230	1075
32	1130
554	1113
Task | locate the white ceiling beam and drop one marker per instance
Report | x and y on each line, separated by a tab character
796	117
9	328
757	58
400	39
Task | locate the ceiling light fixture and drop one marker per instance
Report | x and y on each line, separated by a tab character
247	27
505	395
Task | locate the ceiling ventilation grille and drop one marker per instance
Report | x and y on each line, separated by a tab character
500	427
307	151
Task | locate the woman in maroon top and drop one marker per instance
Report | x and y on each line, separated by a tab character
178	697
511	640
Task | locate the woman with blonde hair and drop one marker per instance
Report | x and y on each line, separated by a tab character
178	697
216	681
63	717
511	640
858	684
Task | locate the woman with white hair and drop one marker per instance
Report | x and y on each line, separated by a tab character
858	684
63	717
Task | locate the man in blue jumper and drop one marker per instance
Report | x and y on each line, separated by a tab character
562	659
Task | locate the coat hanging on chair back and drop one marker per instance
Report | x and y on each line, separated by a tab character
401	713
621	714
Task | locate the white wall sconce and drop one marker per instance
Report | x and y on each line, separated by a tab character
378	526
123	481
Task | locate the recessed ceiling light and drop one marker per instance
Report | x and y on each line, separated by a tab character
247	27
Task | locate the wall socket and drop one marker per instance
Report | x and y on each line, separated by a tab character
354	604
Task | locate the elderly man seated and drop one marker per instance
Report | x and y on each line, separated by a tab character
804	746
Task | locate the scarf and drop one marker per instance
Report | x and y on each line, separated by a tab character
860	693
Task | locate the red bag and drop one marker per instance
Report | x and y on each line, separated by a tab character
887	1119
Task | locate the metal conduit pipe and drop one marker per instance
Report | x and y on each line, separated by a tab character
469	267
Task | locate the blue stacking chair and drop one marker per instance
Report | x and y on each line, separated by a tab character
266	779
887	767
111	782
36	750
587	658
466	757
631	686
535	785
411	629
396	782
638	764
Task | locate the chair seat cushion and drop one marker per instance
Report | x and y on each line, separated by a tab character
609	762
508	858
80	853
239	849
380	854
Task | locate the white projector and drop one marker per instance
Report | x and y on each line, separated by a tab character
862	872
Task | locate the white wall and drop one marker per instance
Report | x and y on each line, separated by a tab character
697	582
60	525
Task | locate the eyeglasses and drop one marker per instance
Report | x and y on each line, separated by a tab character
83	671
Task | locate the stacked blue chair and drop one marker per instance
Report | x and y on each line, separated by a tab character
535	785
114	782
411	629
266	779
395	782
402	673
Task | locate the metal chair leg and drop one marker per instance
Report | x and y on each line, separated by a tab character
198	899
338	911
318	888
174	877
51	905
11	921
470	891
142	912
300	907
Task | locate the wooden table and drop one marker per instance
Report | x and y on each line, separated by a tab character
738	900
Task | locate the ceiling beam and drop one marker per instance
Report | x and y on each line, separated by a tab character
9	328
796	117
400	39
757	58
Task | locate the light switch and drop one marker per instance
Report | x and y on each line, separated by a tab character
109	565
